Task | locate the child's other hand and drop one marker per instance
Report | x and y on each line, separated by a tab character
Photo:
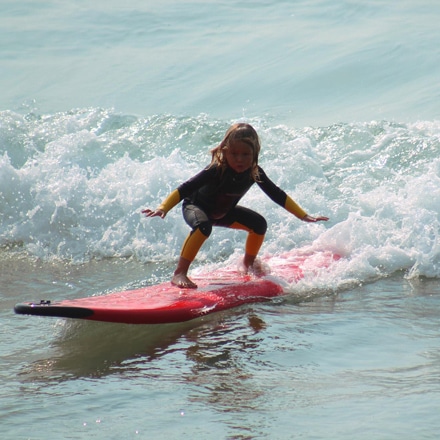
311	219
155	213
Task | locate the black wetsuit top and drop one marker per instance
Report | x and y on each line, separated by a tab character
217	193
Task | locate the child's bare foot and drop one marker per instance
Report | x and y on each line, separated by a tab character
181	280
253	265
257	269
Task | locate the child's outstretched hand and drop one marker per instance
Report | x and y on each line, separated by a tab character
155	213
311	219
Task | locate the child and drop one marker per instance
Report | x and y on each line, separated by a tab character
210	199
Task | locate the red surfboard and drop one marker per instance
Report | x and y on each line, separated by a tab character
165	303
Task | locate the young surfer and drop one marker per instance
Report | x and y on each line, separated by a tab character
210	199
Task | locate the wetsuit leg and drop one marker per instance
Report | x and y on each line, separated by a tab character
201	230
247	220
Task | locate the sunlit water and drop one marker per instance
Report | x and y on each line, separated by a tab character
107	107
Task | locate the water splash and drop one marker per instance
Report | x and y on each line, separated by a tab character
73	185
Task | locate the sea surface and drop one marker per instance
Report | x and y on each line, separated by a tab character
107	106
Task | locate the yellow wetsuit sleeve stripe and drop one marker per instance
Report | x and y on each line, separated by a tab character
291	206
170	202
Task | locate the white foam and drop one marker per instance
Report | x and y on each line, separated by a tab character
77	188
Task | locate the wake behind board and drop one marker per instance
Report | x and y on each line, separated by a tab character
165	303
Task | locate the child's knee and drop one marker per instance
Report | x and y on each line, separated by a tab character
260	225
205	228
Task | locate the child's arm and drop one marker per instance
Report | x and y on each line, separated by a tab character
182	191
291	206
279	196
169	203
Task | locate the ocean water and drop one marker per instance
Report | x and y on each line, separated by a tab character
107	106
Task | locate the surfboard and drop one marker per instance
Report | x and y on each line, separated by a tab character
165	303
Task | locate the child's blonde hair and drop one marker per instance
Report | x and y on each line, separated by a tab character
238	132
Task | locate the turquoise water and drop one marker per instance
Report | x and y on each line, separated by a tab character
107	107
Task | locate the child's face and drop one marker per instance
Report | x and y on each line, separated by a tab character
239	156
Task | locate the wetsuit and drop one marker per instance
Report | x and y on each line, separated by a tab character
211	197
